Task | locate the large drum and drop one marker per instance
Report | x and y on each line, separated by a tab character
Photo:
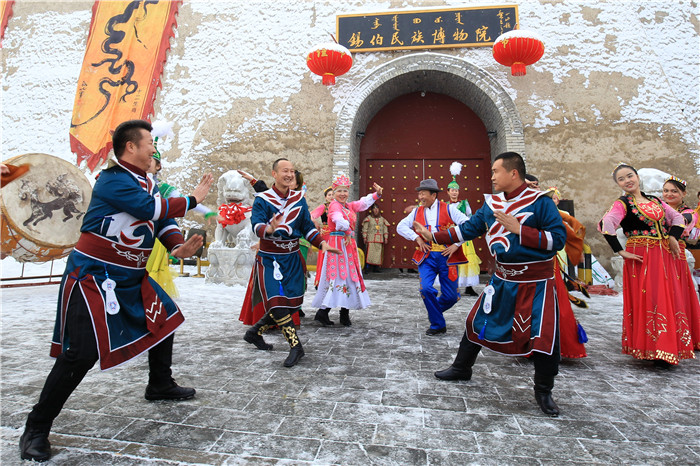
43	209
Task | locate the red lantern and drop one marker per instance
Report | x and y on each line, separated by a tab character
329	60
518	49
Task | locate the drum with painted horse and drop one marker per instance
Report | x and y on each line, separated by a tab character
43	209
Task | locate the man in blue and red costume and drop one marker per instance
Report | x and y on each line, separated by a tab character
279	218
517	313
109	309
434	260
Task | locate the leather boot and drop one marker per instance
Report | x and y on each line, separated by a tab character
461	368
169	391
296	351
543	394
254	334
34	444
345	317
322	317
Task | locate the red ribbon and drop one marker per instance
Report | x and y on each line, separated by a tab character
232	214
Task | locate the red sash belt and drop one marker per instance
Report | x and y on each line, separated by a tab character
111	252
525	271
279	246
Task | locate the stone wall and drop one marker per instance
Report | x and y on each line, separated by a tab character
619	81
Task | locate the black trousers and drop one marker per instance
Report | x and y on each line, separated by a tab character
545	364
72	365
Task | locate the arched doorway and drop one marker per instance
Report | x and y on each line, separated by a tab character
417	136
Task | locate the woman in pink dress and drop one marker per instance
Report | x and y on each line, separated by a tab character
654	322
341	284
674	193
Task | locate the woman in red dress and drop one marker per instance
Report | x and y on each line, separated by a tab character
674	193
654	323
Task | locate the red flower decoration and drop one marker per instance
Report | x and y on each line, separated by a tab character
232	214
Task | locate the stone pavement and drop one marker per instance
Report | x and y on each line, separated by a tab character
362	395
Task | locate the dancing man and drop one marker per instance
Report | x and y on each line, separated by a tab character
517	313
109	309
280	217
432	259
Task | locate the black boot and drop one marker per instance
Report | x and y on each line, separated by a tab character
461	368
543	394
254	334
168	391
345	317
469	291
34	445
322	317
296	352
302	313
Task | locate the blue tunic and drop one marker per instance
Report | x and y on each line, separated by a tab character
125	216
523	315
279	269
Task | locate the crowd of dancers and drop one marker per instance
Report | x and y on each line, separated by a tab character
110	310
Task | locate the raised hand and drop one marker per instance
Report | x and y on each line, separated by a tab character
274	223
202	189
378	189
189	248
509	222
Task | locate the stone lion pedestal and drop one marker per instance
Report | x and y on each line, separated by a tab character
230	266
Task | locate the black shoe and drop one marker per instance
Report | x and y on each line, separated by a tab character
453	373
543	395
322	317
469	291
34	445
435	331
302	313
663	365
251	336
171	391
345	317
295	354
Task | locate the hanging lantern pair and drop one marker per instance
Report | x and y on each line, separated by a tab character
518	49
328	61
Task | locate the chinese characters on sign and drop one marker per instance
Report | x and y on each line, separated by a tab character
425	29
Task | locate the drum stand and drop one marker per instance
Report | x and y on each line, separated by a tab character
182	268
199	268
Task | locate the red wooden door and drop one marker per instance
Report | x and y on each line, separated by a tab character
416	137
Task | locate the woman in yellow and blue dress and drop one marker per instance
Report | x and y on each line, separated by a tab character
469	272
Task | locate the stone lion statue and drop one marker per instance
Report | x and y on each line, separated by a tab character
232	187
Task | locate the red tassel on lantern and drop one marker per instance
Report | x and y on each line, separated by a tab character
518	49
329	60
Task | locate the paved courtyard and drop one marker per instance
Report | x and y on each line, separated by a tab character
362	395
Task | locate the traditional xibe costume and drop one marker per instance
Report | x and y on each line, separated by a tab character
278	278
517	313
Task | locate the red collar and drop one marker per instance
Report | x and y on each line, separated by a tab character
516	192
132	168
279	193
